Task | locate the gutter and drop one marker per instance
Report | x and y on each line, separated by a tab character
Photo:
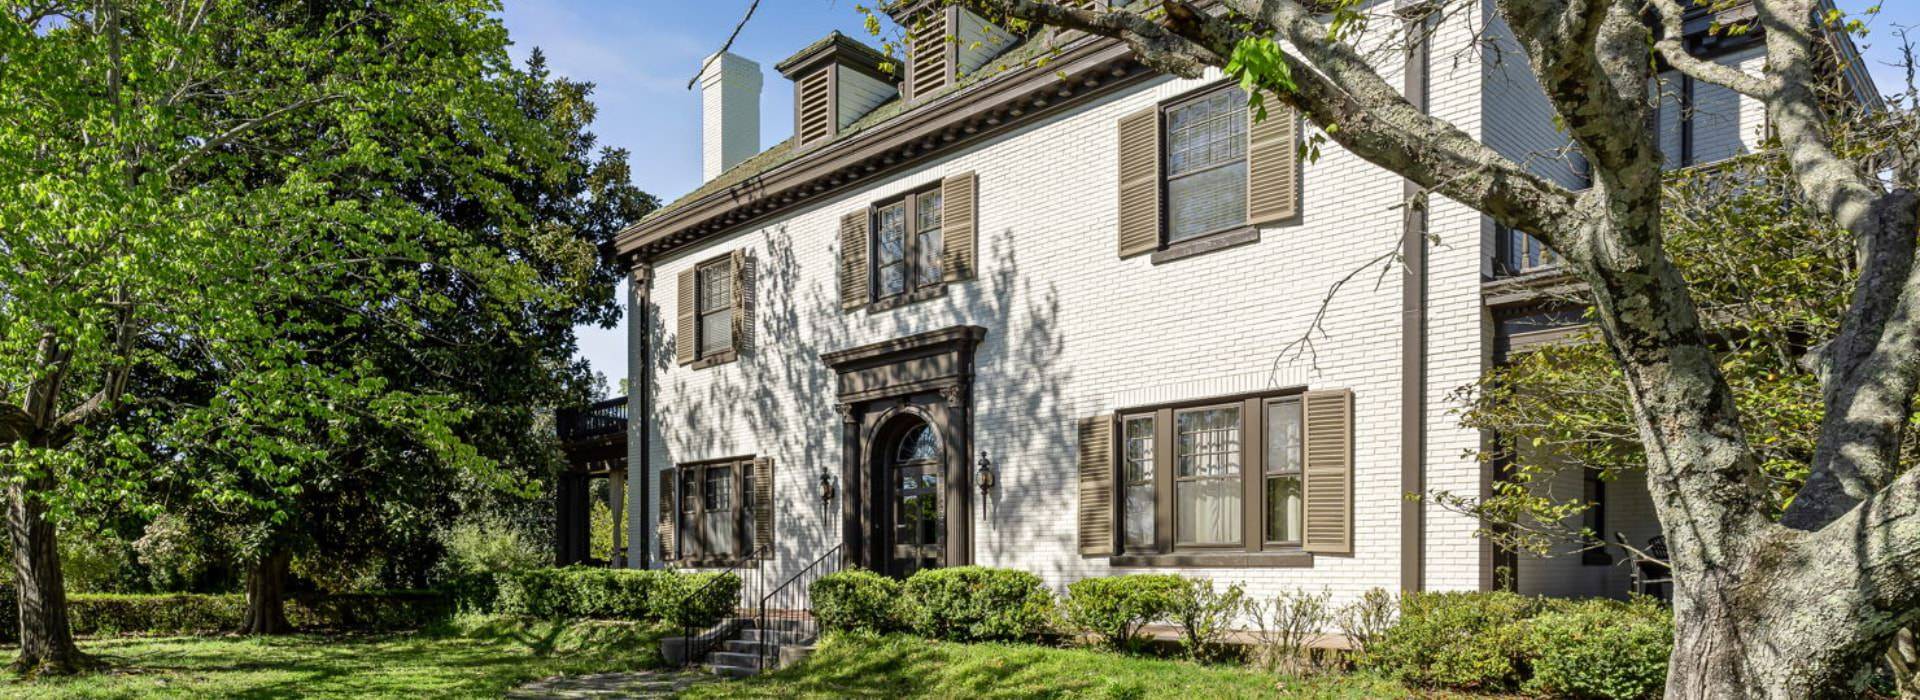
1420	17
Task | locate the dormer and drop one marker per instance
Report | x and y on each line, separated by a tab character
836	81
945	44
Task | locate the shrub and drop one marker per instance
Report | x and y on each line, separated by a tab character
577	592
1459	640
486	544
856	600
192	613
1205	616
1287	626
1601	649
1363	621
969	603
698	600
1114	608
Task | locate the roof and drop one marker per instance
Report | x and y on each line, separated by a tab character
1027	50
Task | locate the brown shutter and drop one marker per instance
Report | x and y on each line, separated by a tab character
1328	471
669	514
1273	164
742	302
930	61
1096	486
684	342
958	221
813	107
853	260
1140	182
763	506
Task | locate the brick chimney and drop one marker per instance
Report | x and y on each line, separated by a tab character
729	113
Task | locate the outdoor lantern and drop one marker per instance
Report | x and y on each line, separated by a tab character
984	475
826	485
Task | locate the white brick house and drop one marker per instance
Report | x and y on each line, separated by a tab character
1104	329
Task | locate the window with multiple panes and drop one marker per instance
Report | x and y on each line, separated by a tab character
1237	470
906	245
1205	144
714	293
1137	471
1281	472
716	517
1207	487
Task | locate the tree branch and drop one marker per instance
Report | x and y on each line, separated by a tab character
243	127
1672	47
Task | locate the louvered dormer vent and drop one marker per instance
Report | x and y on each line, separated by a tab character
836	81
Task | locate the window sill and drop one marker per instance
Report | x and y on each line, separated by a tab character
1289	559
1211	242
718	358
914	297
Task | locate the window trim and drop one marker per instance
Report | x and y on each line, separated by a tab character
1200	242
703	358
1252	550
1153	478
914	291
1298	472
690	523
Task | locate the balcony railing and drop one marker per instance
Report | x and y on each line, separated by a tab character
1521	254
607	417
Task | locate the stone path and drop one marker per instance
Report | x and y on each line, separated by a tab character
636	684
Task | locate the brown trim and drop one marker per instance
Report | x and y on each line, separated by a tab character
1217	400
1219	240
837	50
1218	560
1419	18
1091	66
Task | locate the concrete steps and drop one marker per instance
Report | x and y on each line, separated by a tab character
741	656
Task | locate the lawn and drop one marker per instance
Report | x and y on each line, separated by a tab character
469	658
904	666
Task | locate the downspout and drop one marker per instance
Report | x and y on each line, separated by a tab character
1419	16
639	413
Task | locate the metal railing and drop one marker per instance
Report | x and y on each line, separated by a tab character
791	606
751	571
607	417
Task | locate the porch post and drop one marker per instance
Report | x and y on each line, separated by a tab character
639	477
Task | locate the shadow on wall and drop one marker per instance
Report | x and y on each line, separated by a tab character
784	395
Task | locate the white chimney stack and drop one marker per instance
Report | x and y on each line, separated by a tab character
729	113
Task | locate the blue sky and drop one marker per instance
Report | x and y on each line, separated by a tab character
640	54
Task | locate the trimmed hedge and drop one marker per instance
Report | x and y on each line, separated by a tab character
1601	649
856	600
617	594
193	613
1115	608
973	603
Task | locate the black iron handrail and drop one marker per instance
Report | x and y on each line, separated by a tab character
791	602
750	588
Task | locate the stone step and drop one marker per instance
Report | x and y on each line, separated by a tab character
748	646
774	636
734	659
732	671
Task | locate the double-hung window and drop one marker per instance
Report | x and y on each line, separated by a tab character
906	246
724	511
1207	487
715	300
1222	481
1206	164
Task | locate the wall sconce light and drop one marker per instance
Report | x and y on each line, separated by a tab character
826	486
984	475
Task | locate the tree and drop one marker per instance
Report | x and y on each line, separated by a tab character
1786	605
188	185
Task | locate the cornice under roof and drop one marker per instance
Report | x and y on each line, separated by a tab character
781	179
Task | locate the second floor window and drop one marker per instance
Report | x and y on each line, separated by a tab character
1206	164
1521	253
715	299
906	245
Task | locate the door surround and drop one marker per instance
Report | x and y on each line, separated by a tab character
929	374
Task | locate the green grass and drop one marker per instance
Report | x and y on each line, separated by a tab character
902	666
476	657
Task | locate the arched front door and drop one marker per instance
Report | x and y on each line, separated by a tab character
911	464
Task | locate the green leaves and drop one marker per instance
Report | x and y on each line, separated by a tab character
1260	67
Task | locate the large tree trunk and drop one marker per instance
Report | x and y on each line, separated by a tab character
46	639
267	596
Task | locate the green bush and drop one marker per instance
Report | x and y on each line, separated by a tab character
193	613
856	600
1601	649
1458	640
1114	608
617	594
970	603
1205	615
698	600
